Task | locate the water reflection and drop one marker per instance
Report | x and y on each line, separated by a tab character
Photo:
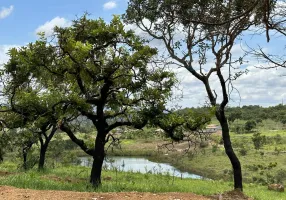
141	165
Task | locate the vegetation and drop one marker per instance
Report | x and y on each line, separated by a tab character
198	40
98	89
75	178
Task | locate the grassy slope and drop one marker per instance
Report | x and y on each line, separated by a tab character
75	178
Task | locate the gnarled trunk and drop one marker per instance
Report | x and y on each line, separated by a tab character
98	158
237	175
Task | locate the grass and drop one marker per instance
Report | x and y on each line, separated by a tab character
215	164
75	178
208	163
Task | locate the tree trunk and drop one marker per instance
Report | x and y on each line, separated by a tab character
1	156
98	157
43	151
237	175
25	153
44	145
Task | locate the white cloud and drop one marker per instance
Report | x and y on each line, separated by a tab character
109	5
48	27
5	12
3	52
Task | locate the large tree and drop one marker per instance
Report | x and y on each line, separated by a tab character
101	72
198	33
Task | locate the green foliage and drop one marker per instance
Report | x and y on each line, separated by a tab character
278	139
181	123
265	173
232	116
257	113
147	134
250	125
243	151
258	140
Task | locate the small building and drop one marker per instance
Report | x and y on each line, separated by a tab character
212	128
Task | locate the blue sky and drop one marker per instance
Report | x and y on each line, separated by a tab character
26	16
20	20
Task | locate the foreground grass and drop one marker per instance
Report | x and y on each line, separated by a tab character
75	178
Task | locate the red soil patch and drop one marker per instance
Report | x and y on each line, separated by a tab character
12	193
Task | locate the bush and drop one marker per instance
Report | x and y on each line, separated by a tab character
280	176
214	148
249	125
278	139
204	144
243	151
258	140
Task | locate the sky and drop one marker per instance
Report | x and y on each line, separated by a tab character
21	20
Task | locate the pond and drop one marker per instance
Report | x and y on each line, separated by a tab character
141	165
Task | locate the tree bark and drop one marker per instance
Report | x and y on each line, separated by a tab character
98	158
42	158
44	145
25	153
236	166
1	156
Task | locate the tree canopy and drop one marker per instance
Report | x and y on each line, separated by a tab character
93	69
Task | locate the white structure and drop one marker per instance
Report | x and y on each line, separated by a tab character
212	128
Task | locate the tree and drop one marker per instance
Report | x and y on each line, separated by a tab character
5	142
193	32
102	72
234	115
249	125
32	103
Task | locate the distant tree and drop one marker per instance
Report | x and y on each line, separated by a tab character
258	120
283	121
250	125
234	115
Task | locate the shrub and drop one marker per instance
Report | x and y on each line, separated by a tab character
280	176
278	139
243	151
258	140
214	148
249	125
204	144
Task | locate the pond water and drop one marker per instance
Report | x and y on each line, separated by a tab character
141	165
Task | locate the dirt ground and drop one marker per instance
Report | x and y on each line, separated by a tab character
12	193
